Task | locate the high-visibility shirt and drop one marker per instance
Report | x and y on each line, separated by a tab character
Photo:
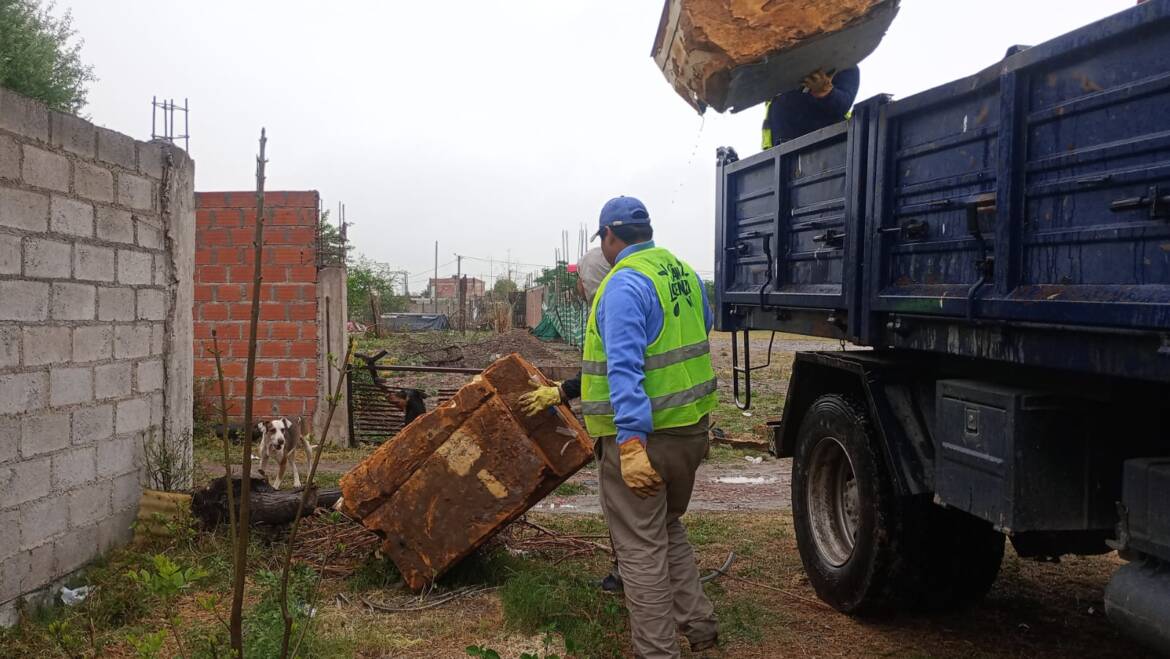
678	377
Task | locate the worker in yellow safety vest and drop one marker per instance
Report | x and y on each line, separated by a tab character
823	101
647	387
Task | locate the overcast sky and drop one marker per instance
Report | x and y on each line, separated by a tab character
488	126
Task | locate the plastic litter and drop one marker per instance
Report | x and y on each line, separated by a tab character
70	597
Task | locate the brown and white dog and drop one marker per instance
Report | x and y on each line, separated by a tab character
279	440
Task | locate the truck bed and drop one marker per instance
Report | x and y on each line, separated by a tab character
1019	214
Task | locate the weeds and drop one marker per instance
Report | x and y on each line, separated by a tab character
569	489
376	573
539	597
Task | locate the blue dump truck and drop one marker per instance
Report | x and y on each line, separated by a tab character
1001	245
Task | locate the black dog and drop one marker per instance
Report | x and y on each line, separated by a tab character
410	401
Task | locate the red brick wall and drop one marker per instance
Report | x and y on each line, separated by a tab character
286	362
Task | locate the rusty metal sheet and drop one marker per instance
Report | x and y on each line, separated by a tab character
457	475
733	54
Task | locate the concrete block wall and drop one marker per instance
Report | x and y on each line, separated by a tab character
96	239
288	363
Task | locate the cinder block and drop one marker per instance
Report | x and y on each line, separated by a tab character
9	158
76	548
93	182
23	392
132	416
115	148
47	258
36	567
93	263
72	134
126	491
149	236
152	304
10	257
150	376
131	341
115	225
135	192
9	442
158	338
93	424
112	380
25	210
69	386
156	410
26	480
117	456
71	216
118	529
47	345
74	301
162	270
116	304
23	116
92	344
45	169
9	346
44	433
75	467
150	159
134	268
90	504
43	519
24	300
10	522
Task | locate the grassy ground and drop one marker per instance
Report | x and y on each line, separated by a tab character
542	604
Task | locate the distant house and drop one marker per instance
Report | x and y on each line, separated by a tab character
447	288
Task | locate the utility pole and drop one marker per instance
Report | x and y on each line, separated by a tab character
459	284
435	281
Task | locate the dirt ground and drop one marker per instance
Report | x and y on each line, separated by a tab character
740	504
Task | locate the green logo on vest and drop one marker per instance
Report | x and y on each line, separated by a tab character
680	283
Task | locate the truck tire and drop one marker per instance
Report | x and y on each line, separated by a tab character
960	556
864	548
844	508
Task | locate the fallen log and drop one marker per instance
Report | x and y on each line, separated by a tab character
270	507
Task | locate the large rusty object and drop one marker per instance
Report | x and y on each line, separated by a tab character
733	54
460	473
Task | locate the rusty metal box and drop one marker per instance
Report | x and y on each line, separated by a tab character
457	475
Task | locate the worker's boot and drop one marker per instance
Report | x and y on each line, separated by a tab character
612	583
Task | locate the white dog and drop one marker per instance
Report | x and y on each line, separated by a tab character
279	440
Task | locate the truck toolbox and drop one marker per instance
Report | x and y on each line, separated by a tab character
1022	460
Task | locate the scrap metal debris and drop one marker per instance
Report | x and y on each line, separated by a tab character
457	475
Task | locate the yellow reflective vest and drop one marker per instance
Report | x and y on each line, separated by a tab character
679	379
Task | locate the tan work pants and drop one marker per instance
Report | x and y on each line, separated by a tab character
657	564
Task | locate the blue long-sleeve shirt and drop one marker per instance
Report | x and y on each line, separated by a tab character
629	318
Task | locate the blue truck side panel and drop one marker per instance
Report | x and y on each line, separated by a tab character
1019	214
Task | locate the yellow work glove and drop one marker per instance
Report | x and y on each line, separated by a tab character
637	471
819	84
540	399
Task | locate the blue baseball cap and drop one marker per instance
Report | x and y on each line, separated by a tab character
621	211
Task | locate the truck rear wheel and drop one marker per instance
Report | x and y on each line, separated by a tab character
863	547
843	506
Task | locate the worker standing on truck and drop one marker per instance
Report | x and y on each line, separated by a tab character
824	101
647	388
